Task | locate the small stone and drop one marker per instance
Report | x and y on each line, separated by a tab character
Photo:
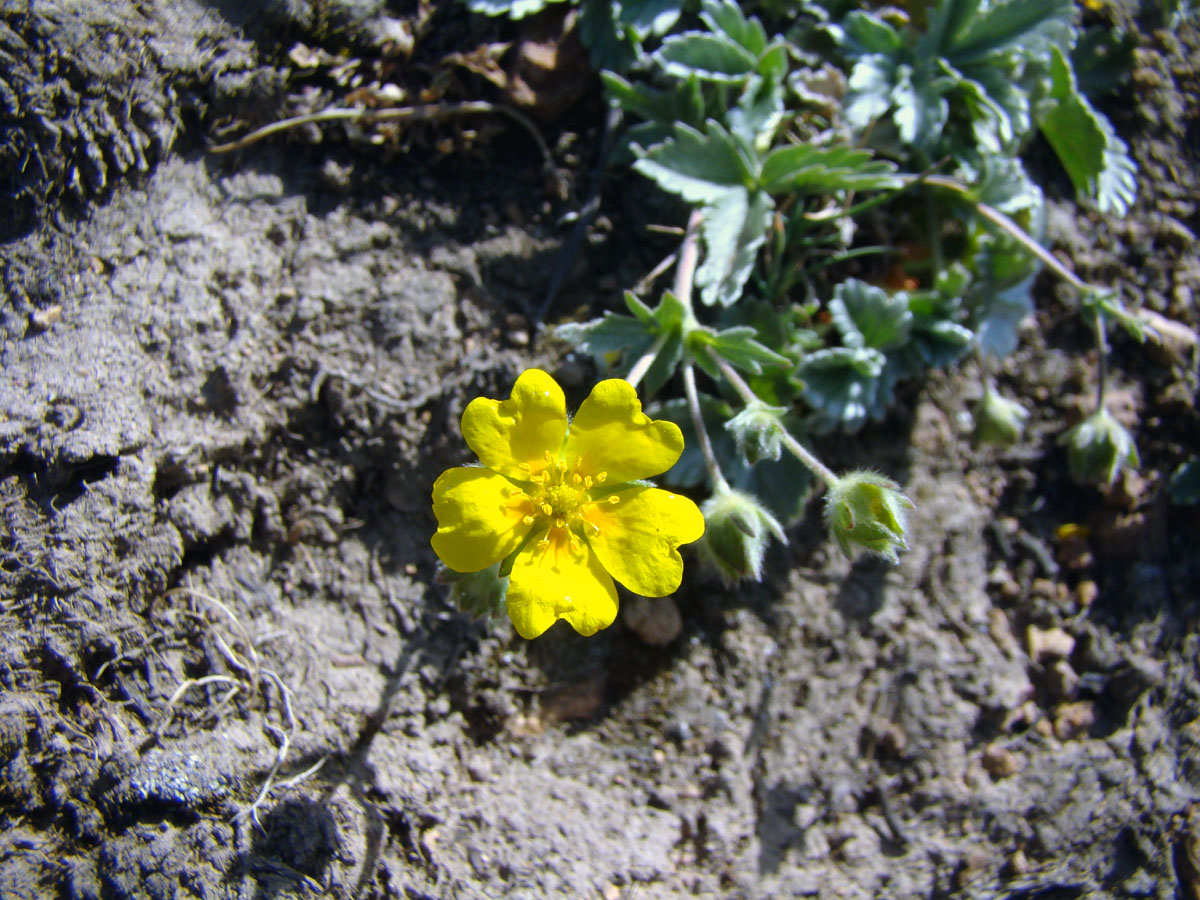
44	319
1074	719
1016	864
1061	680
611	892
656	620
1000	762
1051	643
1001	631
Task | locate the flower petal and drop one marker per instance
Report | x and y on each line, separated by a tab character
637	537
611	434
479	517
505	434
559	581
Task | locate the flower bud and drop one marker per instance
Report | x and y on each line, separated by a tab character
737	529
478	594
1098	447
866	509
998	421
758	430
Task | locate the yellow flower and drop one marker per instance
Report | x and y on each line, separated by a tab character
566	500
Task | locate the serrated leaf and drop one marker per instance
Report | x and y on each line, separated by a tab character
1096	160
869	90
610	333
701	168
733	229
682	104
640	310
773	63
842	385
726	18
663	367
609	45
801	168
1028	25
709	57
921	110
514	9
757	113
866	316
866	32
998	315
738	347
649	17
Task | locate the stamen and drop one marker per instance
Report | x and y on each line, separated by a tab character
560	522
543	545
575	545
578	460
587	482
549	456
576	479
524	466
547	509
614	499
601	477
528	520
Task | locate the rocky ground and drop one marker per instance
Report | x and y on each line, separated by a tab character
229	382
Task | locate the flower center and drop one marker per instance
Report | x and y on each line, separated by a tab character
558	497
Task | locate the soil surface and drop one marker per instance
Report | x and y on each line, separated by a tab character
229	382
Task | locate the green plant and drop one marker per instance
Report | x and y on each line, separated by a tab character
789	136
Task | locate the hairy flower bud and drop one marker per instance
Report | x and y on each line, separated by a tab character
1098	448
758	430
998	421
868	510
737	531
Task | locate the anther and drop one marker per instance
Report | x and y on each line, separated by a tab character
528	520
524	466
614	499
543	545
560	522
601	477
547	509
576	479
587	482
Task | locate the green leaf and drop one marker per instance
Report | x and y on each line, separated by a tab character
733	229
1184	486
738	347
709	57
869	90
868	33
948	19
611	333
1096	160
757	113
1028	25
701	168
683	103
842	384
726	18
649	17
801	168
609	44
514	9
866	316
921	110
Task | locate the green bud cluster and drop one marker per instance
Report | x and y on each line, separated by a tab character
758	431
867	510
998	421
737	529
1098	448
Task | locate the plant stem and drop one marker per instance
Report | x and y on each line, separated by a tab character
693	400
794	447
646	360
1015	231
688	255
1102	363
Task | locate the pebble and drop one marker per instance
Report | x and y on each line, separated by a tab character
1000	762
1048	644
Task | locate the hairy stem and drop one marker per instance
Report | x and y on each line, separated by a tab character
748	396
646	360
706	450
1009	227
688	255
1102	362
